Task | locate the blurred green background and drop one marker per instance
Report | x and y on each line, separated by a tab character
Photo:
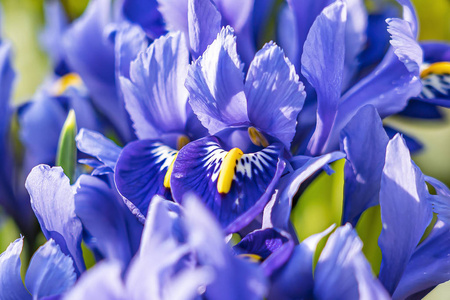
321	204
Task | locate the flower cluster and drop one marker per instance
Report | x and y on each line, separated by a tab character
196	142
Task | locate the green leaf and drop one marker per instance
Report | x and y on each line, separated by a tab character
67	149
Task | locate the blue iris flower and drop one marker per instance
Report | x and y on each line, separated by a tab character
257	118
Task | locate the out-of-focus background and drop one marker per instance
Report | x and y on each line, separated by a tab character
23	20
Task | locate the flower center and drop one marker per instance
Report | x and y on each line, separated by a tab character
228	170
257	137
69	80
436	68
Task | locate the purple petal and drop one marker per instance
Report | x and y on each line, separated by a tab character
102	282
275	95
323	66
305	13
107	219
91	54
273	247
428	265
281	210
95	144
140	172
361	138
50	272
343	272
390	85
146	14
216	85
175	13
204	25
285	283
155	97
52	200
129	42
196	170
11	285
232	277
405	211
441	201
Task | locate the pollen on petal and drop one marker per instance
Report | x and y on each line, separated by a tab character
228	170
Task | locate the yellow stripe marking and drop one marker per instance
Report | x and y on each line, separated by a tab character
257	137
226	173
251	257
169	173
436	68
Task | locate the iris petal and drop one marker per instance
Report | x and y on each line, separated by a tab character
140	172
197	170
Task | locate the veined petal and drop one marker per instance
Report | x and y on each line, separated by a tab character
216	85
97	145
155	97
390	85
305	13
343	272
441	201
141	170
11	285
50	272
204	25
362	138
146	14
198	166
274	93
405	212
107	219
323	66
52	200
130	40
428	265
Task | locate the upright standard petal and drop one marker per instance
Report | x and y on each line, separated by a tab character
364	141
323	66
305	13
52	200
389	86
274	93
11	285
216	85
204	25
441	201
155	97
428	265
104	215
405	212
343	272
50	272
197	170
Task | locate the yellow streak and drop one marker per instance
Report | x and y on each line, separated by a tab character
169	173
227	170
252	257
182	141
436	68
257	137
71	79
